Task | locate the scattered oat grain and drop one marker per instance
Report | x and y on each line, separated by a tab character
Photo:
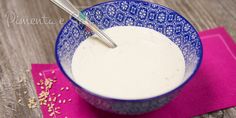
19	100
58	95
69	100
67	88
49	110
57	112
41	82
42	87
51	114
28	70
20	80
57	108
62	88
53	71
54	99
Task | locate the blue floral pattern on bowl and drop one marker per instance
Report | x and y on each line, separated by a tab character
130	13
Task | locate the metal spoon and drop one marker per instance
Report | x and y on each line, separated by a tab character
67	6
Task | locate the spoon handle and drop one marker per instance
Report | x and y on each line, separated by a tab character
67	6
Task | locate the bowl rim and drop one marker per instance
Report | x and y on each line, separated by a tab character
130	100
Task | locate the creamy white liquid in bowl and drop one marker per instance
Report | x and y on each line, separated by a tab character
145	64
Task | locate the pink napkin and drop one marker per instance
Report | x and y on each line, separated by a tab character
212	88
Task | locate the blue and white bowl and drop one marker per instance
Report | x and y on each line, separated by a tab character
134	13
